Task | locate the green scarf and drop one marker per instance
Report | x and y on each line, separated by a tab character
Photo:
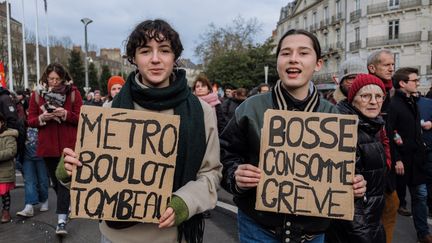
192	140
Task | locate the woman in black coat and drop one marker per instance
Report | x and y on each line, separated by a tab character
365	99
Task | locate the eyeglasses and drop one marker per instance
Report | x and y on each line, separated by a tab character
54	79
414	80
368	97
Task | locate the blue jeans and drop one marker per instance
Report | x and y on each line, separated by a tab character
36	180
251	232
419	209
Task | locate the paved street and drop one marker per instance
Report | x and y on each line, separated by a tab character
221	227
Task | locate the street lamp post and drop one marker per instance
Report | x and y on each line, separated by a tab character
86	21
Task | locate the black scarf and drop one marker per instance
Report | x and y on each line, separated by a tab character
282	100
192	140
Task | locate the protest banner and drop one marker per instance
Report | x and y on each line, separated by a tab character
128	161
307	162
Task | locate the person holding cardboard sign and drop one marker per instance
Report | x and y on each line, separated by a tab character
153	47
298	57
365	98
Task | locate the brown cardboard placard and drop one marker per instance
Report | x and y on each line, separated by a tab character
307	163
128	162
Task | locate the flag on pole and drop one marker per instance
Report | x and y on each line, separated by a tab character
2	75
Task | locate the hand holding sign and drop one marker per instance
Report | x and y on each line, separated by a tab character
359	186
307	163
70	160
125	162
247	176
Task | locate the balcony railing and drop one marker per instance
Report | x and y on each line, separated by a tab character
336	18
355	15
323	78
324	23
402	39
354	46
384	7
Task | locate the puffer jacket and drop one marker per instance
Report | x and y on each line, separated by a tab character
240	144
371	163
8	150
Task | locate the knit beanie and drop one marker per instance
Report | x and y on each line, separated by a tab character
115	80
351	66
362	80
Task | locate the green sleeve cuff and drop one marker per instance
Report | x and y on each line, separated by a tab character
61	173
180	208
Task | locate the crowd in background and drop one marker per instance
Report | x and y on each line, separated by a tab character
394	148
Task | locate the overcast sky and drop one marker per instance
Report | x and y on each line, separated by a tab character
113	20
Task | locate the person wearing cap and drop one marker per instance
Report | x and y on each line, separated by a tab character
115	83
409	155
365	99
348	71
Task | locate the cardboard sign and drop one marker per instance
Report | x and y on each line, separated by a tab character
128	161
307	164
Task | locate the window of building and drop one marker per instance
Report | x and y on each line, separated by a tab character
326	41
326	14
396	60
338	7
357	34
357	4
304	22
338	36
393	29
393	3
314	18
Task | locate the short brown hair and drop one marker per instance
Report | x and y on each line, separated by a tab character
204	80
402	74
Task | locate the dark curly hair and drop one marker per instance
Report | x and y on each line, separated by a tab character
158	30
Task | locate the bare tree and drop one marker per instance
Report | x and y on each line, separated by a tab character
217	41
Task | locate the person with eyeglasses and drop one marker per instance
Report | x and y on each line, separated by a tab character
365	99
410	155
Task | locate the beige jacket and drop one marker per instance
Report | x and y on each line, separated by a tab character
199	195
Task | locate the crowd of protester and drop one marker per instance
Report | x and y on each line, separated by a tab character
219	143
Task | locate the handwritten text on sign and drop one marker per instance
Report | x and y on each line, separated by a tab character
128	161
307	163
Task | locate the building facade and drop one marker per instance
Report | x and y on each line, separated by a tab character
16	42
348	28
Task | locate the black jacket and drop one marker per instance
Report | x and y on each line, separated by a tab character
8	109
371	163
227	110
404	117
240	144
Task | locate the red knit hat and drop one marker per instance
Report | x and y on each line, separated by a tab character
362	80
115	80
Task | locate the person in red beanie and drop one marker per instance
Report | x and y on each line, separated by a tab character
115	83
365	99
